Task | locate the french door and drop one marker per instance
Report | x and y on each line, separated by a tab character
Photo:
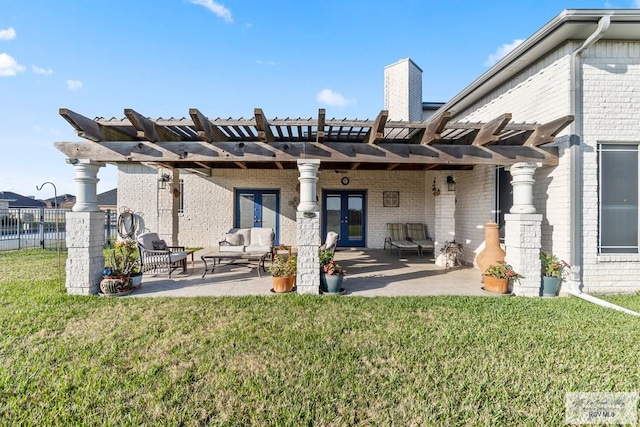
344	212
258	208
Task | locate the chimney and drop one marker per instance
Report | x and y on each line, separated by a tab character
403	90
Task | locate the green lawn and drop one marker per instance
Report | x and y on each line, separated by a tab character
291	360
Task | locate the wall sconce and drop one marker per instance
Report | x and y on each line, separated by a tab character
163	180
451	183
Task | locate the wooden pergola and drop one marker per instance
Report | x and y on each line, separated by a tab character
201	144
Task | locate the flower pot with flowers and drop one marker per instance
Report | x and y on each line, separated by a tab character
553	271
122	262
331	277
283	271
497	277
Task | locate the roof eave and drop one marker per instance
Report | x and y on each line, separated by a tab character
526	53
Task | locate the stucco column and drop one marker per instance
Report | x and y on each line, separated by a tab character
523	232
86	181
85	234
445	226
308	229
522	182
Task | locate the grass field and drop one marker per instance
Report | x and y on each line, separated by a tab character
299	360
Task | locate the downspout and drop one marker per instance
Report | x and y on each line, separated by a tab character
575	170
575	148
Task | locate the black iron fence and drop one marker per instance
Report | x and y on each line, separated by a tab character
29	228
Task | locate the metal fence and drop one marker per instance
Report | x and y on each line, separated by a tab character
28	228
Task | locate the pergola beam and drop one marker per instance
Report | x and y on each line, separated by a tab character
146	129
547	132
262	125
321	122
435	126
376	133
255	151
206	131
84	126
490	131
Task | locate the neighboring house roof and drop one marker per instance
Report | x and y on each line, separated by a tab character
18	201
108	198
571	24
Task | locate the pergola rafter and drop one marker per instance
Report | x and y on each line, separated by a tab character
199	142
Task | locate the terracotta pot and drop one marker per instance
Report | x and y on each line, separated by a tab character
283	284
115	284
492	254
493	284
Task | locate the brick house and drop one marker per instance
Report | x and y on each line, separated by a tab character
556	118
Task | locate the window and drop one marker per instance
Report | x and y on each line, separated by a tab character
181	199
618	207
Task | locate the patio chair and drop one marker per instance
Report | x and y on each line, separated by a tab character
331	242
157	257
417	233
397	237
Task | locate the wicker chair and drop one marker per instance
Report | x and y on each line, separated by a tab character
161	260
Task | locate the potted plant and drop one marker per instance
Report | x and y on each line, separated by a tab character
497	277
122	262
553	271
331	277
283	271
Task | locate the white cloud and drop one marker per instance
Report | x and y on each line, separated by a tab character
259	62
215	7
9	66
45	71
74	84
8	34
333	99
501	52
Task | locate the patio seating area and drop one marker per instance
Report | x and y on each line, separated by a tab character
370	272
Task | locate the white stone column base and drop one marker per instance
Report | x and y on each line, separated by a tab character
85	262
523	240
308	242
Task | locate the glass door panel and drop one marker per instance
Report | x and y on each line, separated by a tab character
246	211
344	213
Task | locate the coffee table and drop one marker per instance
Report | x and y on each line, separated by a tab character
249	259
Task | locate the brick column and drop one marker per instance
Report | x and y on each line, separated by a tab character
308	229
445	229
85	234
523	231
523	240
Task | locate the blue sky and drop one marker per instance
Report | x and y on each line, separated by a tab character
226	57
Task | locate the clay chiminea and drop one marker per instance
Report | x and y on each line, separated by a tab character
492	254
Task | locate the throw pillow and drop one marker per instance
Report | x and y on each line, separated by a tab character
159	245
233	239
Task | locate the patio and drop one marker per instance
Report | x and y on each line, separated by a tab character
370	272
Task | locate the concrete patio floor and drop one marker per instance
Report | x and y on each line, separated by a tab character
370	272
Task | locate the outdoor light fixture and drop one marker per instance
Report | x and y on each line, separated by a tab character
163	180
451	183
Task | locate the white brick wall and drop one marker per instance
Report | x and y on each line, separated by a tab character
611	99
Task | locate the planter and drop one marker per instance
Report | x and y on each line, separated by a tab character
550	286
283	284
113	285
332	283
493	284
136	280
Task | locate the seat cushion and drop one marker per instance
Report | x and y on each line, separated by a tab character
177	256
159	245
